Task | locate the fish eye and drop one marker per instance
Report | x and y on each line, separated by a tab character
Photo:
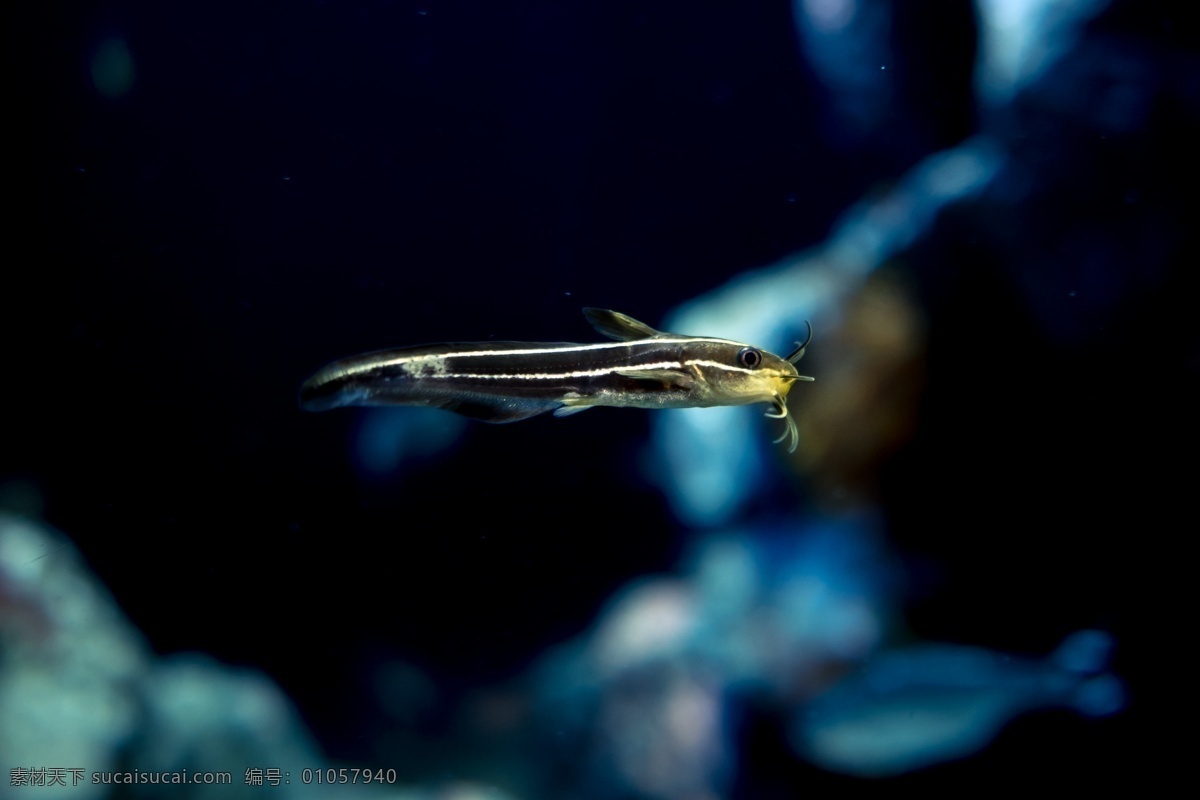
749	357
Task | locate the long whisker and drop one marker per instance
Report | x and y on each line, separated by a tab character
790	432
798	353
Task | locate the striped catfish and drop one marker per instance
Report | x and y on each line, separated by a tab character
510	381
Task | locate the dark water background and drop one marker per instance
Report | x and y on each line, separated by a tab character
281	184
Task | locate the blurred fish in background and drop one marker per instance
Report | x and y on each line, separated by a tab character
912	707
936	586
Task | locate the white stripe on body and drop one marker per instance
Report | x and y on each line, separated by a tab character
528	351
591	373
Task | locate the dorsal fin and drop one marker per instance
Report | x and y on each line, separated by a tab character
617	326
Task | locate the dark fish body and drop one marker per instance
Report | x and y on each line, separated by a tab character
510	381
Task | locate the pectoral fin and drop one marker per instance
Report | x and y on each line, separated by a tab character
618	326
568	410
573	403
665	377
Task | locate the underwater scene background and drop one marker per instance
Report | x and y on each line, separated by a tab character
969	573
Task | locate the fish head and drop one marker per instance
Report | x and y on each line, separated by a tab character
740	374
736	373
